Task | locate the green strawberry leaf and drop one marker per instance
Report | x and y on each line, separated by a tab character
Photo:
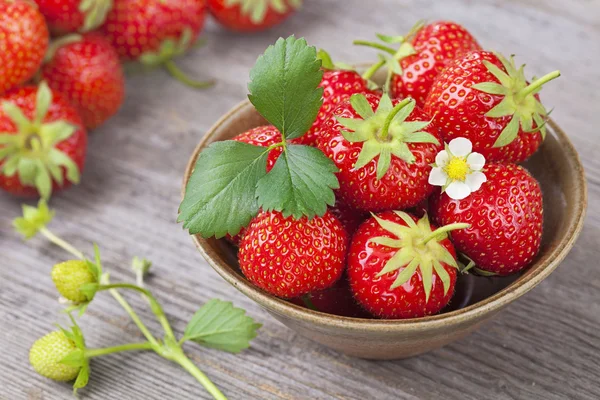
284	86
220	325
300	183
220	197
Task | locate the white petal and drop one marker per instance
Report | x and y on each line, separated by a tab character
475	179
458	190
442	158
476	161
438	177
460	147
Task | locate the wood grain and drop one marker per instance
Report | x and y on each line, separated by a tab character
545	346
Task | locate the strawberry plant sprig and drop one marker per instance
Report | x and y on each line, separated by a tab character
63	356
230	182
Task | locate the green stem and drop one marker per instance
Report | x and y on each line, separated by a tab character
193	370
154	304
61	243
445	229
308	303
375	45
372	70
388	121
134	317
186	80
533	86
89	353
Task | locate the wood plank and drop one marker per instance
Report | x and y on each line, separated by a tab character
545	346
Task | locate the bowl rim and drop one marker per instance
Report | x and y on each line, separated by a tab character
483	307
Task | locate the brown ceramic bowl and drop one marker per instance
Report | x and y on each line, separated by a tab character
558	168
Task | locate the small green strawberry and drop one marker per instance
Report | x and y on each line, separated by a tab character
47	353
70	278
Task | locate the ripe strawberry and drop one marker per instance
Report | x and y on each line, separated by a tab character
336	300
288	257
402	267
137	27
338	85
70	276
385	162
42	142
483	97
155	32
68	16
86	69
23	42
422	56
505	214
47	353
251	15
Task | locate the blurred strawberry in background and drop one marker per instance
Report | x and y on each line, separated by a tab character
252	15
68	16
155	32
86	69
23	42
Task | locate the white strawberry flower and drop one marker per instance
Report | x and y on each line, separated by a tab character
457	169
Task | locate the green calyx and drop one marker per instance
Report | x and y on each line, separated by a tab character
391	57
170	49
419	248
31	153
384	132
519	99
95	12
33	220
257	9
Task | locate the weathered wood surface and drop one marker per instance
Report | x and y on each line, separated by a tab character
545	346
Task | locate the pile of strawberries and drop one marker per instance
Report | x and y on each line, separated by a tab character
52	92
429	181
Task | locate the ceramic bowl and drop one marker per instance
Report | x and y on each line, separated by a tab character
558	168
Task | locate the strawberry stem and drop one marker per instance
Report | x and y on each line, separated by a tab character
89	353
445	229
538	83
154	304
372	70
375	45
308	303
186	80
63	244
388	121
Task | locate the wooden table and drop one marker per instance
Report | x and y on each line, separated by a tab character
545	346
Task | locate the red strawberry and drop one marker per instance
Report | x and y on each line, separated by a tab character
385	162
251	15
87	71
483	97
401	267
288	257
338	85
505	214
423	56
42	144
23	42
68	16
155	32
336	300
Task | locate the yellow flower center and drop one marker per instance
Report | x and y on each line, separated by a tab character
457	169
